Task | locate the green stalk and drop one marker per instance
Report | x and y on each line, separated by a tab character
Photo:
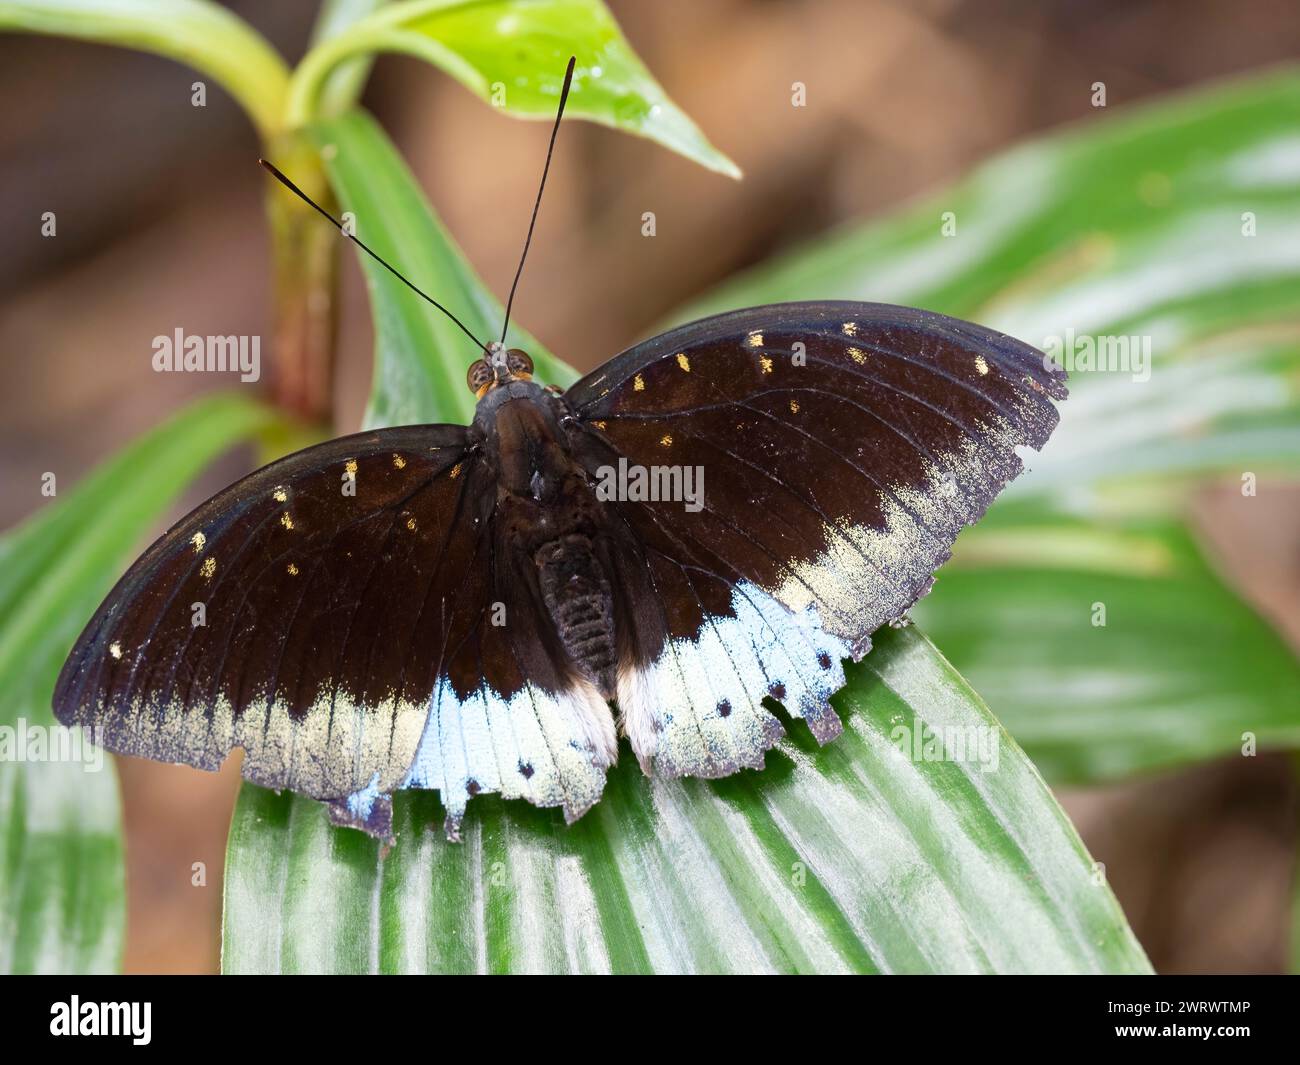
304	248
305	86
305	272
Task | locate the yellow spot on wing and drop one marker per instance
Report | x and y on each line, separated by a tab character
767	364
410	524
599	425
351	466
666	440
981	365
115	649
683	362
455	470
856	354
754	340
850	329
292	569
286	520
638	383
280	495
198	540
399	462
208	568
794	406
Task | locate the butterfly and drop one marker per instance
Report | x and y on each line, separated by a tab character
715	518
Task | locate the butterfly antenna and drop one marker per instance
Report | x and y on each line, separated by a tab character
275	172
564	95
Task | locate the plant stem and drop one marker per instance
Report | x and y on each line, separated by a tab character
305	268
345	82
381	32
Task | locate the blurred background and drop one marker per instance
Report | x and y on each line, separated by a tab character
161	224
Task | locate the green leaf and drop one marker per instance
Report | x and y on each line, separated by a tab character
853	857
202	35
420	356
61	891
513	53
1109	651
1129	225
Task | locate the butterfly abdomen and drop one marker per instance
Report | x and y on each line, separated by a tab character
578	598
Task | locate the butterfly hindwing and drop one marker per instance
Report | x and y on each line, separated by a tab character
508	714
841	448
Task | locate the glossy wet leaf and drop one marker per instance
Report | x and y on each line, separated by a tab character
61	891
513	53
856	857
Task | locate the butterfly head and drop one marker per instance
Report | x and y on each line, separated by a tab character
499	365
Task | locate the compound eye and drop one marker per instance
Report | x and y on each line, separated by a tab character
518	362
479	376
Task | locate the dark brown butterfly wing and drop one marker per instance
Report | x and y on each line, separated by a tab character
270	618
843	447
313	614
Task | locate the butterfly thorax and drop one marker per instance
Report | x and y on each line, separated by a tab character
549	518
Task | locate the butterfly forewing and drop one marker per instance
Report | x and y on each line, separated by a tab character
841	448
296	614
